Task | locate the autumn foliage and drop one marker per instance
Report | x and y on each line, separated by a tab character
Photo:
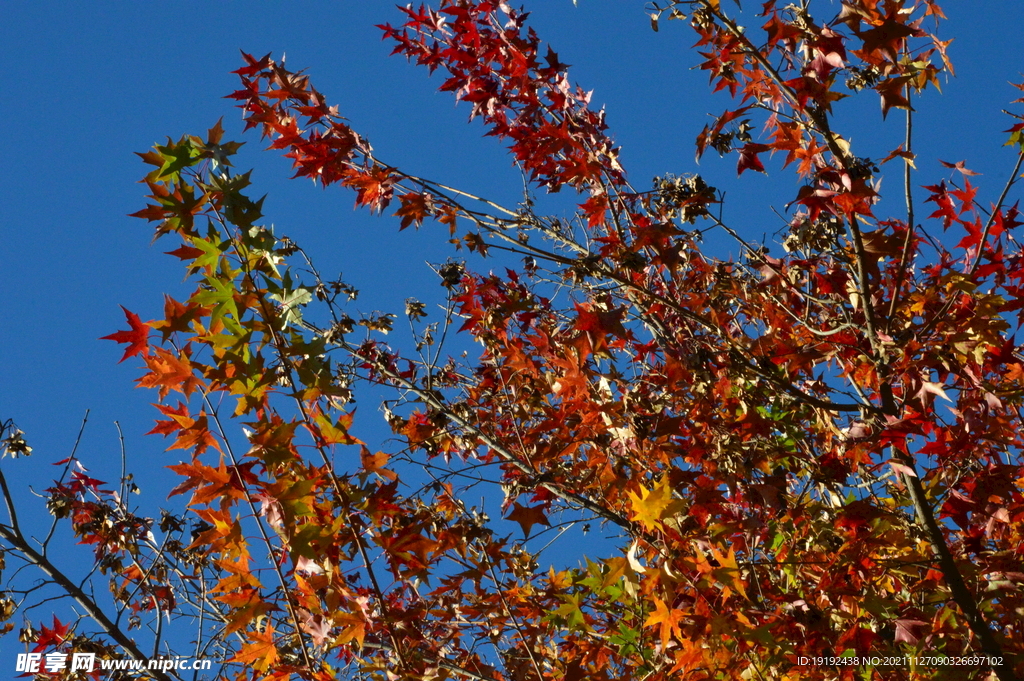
811	454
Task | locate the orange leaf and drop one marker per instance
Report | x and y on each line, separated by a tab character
374	463
415	207
353	628
260	653
668	618
167	371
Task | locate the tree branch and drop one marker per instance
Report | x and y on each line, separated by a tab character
17	540
962	595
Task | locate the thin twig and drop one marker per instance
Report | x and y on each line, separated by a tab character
67	467
17	540
908	240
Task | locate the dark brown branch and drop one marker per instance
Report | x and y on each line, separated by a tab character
962	595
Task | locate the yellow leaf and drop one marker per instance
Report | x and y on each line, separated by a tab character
650	507
335	433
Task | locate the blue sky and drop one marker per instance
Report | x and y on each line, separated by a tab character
87	84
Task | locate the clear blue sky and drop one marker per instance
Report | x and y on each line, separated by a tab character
87	84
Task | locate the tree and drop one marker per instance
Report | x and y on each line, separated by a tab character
807	466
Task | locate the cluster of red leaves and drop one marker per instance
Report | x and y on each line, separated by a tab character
523	98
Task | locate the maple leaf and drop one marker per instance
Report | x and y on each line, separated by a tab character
210	483
652	506
527	517
1016	136
415	207
374	187
177	317
374	463
318	628
940	197
52	636
408	550
781	31
334	432
137	336
887	38
892	93
594	209
259	651
728	572
253	65
572	613
353	627
197	437
958	166
168	371
245	605
881	244
910	630
748	158
668	618
810	157
179	419
788	138
931	388
176	156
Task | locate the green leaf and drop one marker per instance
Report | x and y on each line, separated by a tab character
290	302
212	249
221	295
177	156
570	613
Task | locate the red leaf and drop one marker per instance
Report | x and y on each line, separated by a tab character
594	208
136	337
748	158
909	631
940	197
374	187
415	207
51	637
185	253
254	65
